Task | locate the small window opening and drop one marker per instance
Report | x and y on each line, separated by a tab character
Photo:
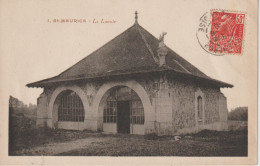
199	109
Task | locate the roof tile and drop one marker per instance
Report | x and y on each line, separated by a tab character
133	51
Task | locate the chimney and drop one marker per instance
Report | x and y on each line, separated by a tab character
162	50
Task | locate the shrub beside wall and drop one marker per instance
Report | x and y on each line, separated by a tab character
238	114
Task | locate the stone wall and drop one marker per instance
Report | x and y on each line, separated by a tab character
184	106
151	85
44	114
89	88
170	104
93	92
42	107
211	104
160	95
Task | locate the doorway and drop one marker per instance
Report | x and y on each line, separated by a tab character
123	111
123	117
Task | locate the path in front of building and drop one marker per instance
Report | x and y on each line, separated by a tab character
56	148
207	143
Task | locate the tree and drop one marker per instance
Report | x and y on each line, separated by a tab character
239	113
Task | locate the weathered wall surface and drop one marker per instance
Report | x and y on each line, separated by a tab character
184	107
42	107
160	96
93	92
151	85
211	104
48	117
170	104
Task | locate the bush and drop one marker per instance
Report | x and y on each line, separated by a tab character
239	114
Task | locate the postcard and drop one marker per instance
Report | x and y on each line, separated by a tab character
128	82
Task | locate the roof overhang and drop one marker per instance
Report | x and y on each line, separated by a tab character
54	81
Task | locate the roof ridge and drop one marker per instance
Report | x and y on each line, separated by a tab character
147	45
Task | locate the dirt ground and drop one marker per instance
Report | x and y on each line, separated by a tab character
26	140
206	143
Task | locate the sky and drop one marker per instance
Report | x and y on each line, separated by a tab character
32	48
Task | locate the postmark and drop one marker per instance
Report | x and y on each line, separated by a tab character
222	32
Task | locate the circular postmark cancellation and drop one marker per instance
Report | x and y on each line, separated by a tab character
221	32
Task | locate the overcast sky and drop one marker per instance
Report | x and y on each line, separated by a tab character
33	49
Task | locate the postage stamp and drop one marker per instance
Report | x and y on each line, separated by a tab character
221	32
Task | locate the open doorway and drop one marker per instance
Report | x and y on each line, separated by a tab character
123	111
123	115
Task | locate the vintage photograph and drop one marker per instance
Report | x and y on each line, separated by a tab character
151	79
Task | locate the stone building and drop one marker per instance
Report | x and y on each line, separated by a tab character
133	84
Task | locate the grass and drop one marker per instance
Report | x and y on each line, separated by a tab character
205	143
24	135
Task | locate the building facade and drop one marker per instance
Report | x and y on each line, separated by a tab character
133	84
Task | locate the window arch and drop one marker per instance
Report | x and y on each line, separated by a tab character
71	107
123	93
199	107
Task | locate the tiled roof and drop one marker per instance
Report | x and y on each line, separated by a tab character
133	51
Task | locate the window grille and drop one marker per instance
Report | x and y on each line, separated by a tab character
137	112
71	108
110	112
110	109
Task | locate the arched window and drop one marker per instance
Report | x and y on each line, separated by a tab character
199	109
71	108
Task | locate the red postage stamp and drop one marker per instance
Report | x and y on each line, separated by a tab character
226	34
